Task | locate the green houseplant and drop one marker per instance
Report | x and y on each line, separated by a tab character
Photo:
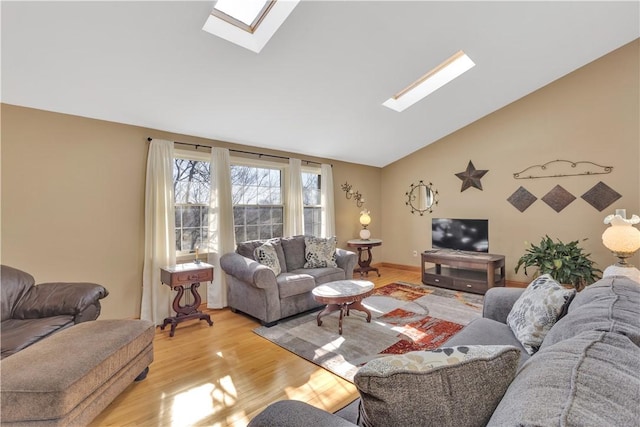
565	262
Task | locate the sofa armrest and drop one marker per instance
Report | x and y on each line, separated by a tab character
498	303
81	300
248	270
347	261
292	413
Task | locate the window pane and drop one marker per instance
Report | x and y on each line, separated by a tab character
238	216
265	232
277	215
252	215
252	232
191	216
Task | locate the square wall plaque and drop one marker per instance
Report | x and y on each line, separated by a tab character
601	196
521	199
558	198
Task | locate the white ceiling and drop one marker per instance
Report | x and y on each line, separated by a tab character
318	86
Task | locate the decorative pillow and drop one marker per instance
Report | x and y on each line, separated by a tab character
319	252
450	386
537	310
267	255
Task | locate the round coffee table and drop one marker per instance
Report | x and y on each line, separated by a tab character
343	295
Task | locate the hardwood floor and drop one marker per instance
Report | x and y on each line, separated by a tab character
225	374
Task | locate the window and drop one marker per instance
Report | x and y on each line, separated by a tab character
191	184
311	199
257	195
248	23
258	211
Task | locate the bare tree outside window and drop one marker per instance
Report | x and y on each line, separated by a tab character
257	197
311	199
191	185
257	202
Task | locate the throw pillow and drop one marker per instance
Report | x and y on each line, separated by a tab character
451	386
319	252
537	310
266	254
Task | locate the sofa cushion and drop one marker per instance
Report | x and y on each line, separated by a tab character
609	305
290	284
451	386
18	334
319	252
323	275
293	248
266	254
588	380
536	311
70	369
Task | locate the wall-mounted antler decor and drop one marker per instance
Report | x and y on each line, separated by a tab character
542	171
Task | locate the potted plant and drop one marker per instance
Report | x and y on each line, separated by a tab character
565	262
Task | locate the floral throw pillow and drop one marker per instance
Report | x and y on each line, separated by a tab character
537	310
266	254
319	252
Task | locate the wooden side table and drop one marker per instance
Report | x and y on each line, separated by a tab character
364	254
189	275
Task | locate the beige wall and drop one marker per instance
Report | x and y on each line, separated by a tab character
73	200
591	114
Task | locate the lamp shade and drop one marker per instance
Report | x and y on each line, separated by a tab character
365	219
621	238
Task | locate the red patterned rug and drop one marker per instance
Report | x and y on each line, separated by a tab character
404	317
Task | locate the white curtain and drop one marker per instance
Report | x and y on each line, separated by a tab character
328	207
294	214
159	232
221	229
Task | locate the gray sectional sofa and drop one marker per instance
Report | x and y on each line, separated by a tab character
586	372
255	289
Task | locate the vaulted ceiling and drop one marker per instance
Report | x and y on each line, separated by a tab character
318	85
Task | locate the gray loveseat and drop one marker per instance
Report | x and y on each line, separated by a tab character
587	371
254	288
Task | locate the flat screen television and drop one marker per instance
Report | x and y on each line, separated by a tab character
460	234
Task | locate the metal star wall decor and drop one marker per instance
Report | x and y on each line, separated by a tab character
471	177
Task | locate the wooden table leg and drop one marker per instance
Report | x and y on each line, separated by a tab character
186	312
357	305
330	308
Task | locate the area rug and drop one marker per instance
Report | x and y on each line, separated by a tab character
404	317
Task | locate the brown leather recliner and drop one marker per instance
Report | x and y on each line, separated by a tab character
30	313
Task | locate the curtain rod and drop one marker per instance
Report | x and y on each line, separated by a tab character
149	139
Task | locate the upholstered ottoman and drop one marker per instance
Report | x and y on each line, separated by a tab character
68	378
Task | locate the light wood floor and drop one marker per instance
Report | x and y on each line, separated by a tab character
224	375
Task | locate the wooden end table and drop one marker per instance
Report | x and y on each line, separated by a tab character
364	254
343	295
189	275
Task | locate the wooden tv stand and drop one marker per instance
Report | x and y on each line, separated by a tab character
467	271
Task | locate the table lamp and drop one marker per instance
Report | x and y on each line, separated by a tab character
623	240
365	220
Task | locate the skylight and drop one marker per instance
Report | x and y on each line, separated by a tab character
248	23
246	14
430	82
